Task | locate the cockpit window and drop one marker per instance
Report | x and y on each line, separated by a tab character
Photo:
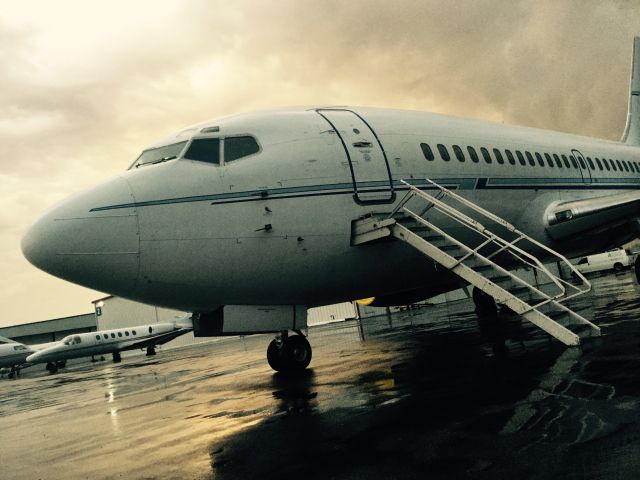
19	347
238	147
159	154
204	150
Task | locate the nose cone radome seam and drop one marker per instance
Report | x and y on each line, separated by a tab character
99	250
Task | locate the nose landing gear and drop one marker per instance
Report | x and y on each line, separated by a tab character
289	353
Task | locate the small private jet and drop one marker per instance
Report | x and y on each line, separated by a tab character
108	342
13	355
248	220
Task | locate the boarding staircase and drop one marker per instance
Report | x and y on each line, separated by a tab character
487	259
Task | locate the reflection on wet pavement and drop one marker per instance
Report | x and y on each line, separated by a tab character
431	393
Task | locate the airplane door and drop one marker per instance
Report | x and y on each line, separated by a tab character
365	154
585	171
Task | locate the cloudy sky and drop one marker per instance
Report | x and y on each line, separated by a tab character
85	85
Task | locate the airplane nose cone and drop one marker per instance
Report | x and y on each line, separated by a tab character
97	249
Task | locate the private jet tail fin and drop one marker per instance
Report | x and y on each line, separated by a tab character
631	134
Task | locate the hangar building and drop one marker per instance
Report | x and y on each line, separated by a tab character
50	330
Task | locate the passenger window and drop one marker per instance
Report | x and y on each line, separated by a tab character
566	161
613	165
625	165
557	159
498	156
113	335
119	334
126	334
77	340
549	159
459	153
512	160
204	150
582	164
606	164
532	162
520	157
486	154
540	160
599	163
133	332
473	154
106	336
573	161
238	147
150	329
444	153
97	337
427	152
590	162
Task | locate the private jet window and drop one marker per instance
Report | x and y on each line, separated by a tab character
532	162
444	153
159	154
557	159
566	161
126	334
606	164
582	164
106	336
520	157
77	340
150	329
473	154
498	156
204	150
97	337
590	162
599	163
113	335
635	165
19	347
427	152
133	332
540	160
613	165
119	334
625	164
486	155
512	160
459	153
549	160
238	147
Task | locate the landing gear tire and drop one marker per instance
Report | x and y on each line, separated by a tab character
151	351
290	354
117	358
52	367
485	304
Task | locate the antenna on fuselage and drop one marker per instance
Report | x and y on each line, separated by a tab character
631	135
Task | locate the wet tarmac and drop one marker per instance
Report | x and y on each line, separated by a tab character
432	393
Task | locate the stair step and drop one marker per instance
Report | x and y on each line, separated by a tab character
483	267
499	278
449	247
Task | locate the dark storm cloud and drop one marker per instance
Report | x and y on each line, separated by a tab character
81	95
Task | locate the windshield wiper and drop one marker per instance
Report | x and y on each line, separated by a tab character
164	159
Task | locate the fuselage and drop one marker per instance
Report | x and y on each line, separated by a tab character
269	222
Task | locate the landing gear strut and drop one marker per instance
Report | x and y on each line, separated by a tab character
151	351
289	354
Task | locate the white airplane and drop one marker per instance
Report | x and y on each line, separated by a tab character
13	355
250	219
108	341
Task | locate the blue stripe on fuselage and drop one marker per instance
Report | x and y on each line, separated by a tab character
481	183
